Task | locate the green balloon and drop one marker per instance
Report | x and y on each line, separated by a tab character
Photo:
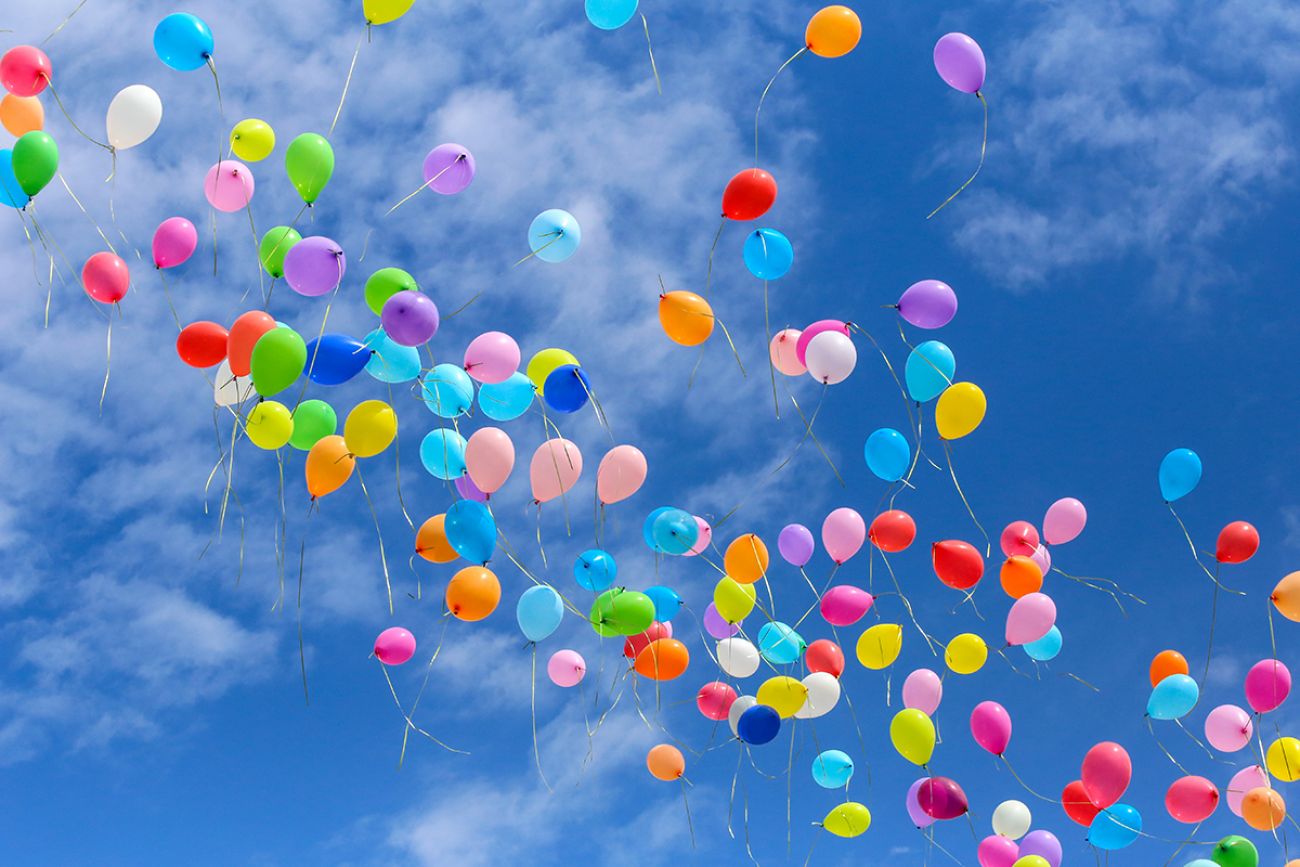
309	162
312	421
279	357
276	244
622	612
35	161
384	284
1235	851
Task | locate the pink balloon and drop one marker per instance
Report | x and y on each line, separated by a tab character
715	699
1106	773
716	626
1242	782
990	724
843	533
1030	618
997	851
491	357
1064	521
174	242
1228	728
1019	537
621	474
566	668
806	336
1191	799
1268	683
554	470
229	186
1042	559
106	278
705	539
844	604
394	646
920	818
489	458
784	353
923	690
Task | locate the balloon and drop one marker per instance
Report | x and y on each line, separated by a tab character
919	817
202	344
966	653
1173	698
714	700
1242	782
544	363
447	391
228	389
990	725
1012	819
705	539
554	235
737	657
848	820
610	14
1286	597
595	570
390	362
1237	543
667	602
21	114
759	724
716	626
473	593
749	195
312	420
1228	728
384	284
746	559
892	531
663	659
269	425
686	318
831	357
506	400
960	62
665	762
252	140
329	464
737	710
923	690
1106	773
845	605
25	70
942	798
1019	539
928	304
1234	851
1030	618
1115	828
394	646
621	612
1165	663
796	544
768	254
442	451
1020	576
1041	844
466	488
913	736
566	668
780	644
784	694
384	11
958	564
11	193
229	186
278	359
370	428
733	601
997	851
833	31
832	769
888	454
1283	759
1191	799
275	246
449	169
819	327
567	389
105	278
880	645
133	116
174	242
539	612
782	351
824	656
183	41
410	318
246	331
492	357
673	531
315	266
1046	648
1077	805
333	359
35	161
489	458
1043	558
1064	521
843	533
1180	473
309	162
929	370
471	530
960	410
1268	683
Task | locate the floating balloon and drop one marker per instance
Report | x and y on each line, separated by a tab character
269	425
1245	780
21	114
1237	543
996	851
315	266
672	531
567	389
1283	759
758	725
930	369
621	612
1191	799
447	391
832	769
507	400
394	646
1046	648
309	162
1041	844
716	626
966	654
1077	805
492	357
715	700
174	242
845	605
913	736
133	116
566	668
312	421
634	644
554	235
1286	597
106	278
1030	618
390	362
1180	473
960	410
1020	576
1173	698
333	359
539	612
737	710
958	564
831	357
843	533
11	192
610	14
183	41
783	694
370	428
410	318
1263	809
25	70
923	690
746	559
990	725
442	451
749	195
892	531
595	570
928	304
544	363
960	62
279	358
880	645
1115	827
1064	521
473	593
768	254
780	644
229	186
796	544
784	355
1106	773
833	31
942	798
449	169
275	246
1228	728
1019	539
1012	819
1165	663
1268	683
888	454
665	762
686	318
848	820
252	140
34	161
228	389
202	344
489	458
329	464
824	656
667	602
733	600
738	657
471	530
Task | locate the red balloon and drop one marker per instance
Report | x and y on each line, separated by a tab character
941	798
1077	806
892	531
25	70
634	644
202	344
715	699
748	195
244	334
958	564
825	655
1238	542
1020	537
106	278
1107	771
1191	799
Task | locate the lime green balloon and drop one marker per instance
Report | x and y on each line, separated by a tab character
312	421
276	244
384	284
252	140
35	161
279	357
622	612
1235	851
309	161
848	820
269	425
384	11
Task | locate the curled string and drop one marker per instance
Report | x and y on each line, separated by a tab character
383	557
81	132
1094	583
947	452
348	82
1010	664
763	97
64	23
424	186
410	725
660	87
1195	556
983	149
1025	785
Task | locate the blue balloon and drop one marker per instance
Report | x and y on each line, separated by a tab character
471	530
554	235
391	362
1173	698
447	391
675	532
333	359
667	602
595	570
930	369
1115	827
780	644
758	725
648	529
183	41
888	454
11	193
610	14
1045	648
832	769
442	451
1180	473
539	612
1201	862
566	388
506	401
768	254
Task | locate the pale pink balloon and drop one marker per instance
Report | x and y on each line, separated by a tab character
923	690
566	668
1064	521
704	541
997	851
1030	618
489	458
1242	782
843	533
394	646
1228	728
492	357
990	725
1042	559
1268	683
785	357
621	474
174	242
844	605
555	469
919	817
229	186
819	327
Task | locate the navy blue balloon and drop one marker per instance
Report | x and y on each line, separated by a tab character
566	388
758	725
333	359
471	530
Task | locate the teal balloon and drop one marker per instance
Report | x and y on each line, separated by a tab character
1173	698
675	532
667	602
1180	473
832	769
471	530
610	14
11	192
888	454
539	612
506	401
595	570
442	451
930	369
554	235
780	644
1115	827
768	254
447	391
391	362
1046	648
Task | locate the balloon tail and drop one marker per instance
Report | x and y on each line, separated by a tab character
302	557
541	549
601	418
311	363
1025	785
767	334
1011	664
1198	741
59	102
907	402
168	295
1168	754
732	344
1214	619
763	97
424	186
348	81
1114	590
397	473
280	537
1080	680
789	791
383	556
907	605
64	23
947	452
984	145
713	248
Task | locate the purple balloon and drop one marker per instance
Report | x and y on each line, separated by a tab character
960	62
920	818
1043	844
448	169
716	626
942	798
468	490
314	266
928	304
796	544
410	318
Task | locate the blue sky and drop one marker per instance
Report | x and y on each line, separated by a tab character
1124	266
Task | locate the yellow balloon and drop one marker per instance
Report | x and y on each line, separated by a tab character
966	654
913	735
1032	861
1284	759
785	695
960	410
880	645
848	820
543	364
733	600
269	425
384	11
370	428
252	140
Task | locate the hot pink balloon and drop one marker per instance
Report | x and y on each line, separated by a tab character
923	690
492	357
394	646
960	62
1031	617
715	699
943	798
174	242
844	605
1191	799
566	668
784	352
554	470
106	278
990	725
229	186
919	817
621	474
1228	728
997	851
843	533
1020	537
489	458
1042	559
806	336
1064	521
1107	770
705	538
716	626
1242	782
1268	683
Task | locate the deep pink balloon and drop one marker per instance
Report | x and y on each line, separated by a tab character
449	168
796	544
315	266
25	70
1228	728
1019	537
106	278
960	62
919	817
1268	683
174	242
492	357
927	304
715	699
1106	773
409	318
843	533
844	604
806	336
394	646
990	724
942	798
997	851
716	626
229	186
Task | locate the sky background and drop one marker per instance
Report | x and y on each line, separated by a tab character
1125	266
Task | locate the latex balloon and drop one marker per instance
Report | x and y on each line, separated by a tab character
246	331
704	540
1030	618
824	656
930	369
554	235
667	602
333	359
279	358
942	798
716	626
269	425
957	564
11	192
782	351
817	328
892	531
309	162
566	668
780	644
1228	728
966	654
202	344
471	530
1115	828
473	593
384	11
595	570
229	186
672	531
913	736
749	195
489	458
466	488
228	389
1077	805
567	389
923	690
370	428
1020	576
928	304
1243	781
329	464
997	851
449	169
831	357
1064	521
1286	597
737	710
796	544
960	410
960	62
394	646
738	657
275	246
492	357
1165	663
133	116
312	420
843	532
848	820
1019	539
539	612
315	266
1283	759
447	391
783	694
544	363
888	454
1234	851
733	600
390	362
1046	648
1041	844
1268	683
384	284
1180	473
1107	771
758	725
25	70
610	14
832	769
621	612
410	318
174	242
686	318
252	140
665	762
1012	819
634	644
833	31
21	114
990	725
183	41
715	700
105	278
746	559
442	451
845	605
1173	698
1237	543
880	645
919	817
35	161
1191	799
768	254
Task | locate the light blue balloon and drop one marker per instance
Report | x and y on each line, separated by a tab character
11	193
832	769
554	235
648	528
506	401
391	362
888	454
1046	648
930	369
183	41
1173	698
595	570
1180	473
675	532
667	602
780	644
539	612
610	14
1201	862
768	254
1115	827
471	530
443	453
447	391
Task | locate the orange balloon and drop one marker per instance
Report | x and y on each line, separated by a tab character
833	32
1286	597
473	593
663	659
1263	808
665	762
746	559
1021	576
21	114
243	336
329	465
686	317
1167	662
431	541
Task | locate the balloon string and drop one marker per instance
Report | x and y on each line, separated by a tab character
257	251
708	274
1198	742
64	23
1168	754
36	274
302	557
58	101
428	669
983	149
558	234
216	81
853	714
108	362
311	365
659	87
397	473
1025	785
383	557
281	540
907	403
537	755
1195	556
348	82
410	725
1095	583
907	604
601	419
1214	619
424	186
947	451
86	213
776	75
808	430
767	334
690	824
817	595
731	343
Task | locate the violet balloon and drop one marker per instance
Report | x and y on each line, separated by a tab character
959	60
449	169
995	851
919	817
1043	844
491	357
409	318
796	544
990	725
315	266
468	490
928	304
843	533
716	626
174	242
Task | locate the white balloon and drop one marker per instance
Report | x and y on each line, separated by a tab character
1012	819
738	707
737	657
133	116
228	389
831	357
823	694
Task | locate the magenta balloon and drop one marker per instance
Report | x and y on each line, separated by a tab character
843	533
1268	683
997	851
990	724
927	304
716	626
942	798
468	490
315	266
806	336
449	168
796	544
1243	781
1064	521
173	242
229	186
1228	728
923	690
919	817
960	62
492	357
1031	617
409	318
394	646
844	605
1043	844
